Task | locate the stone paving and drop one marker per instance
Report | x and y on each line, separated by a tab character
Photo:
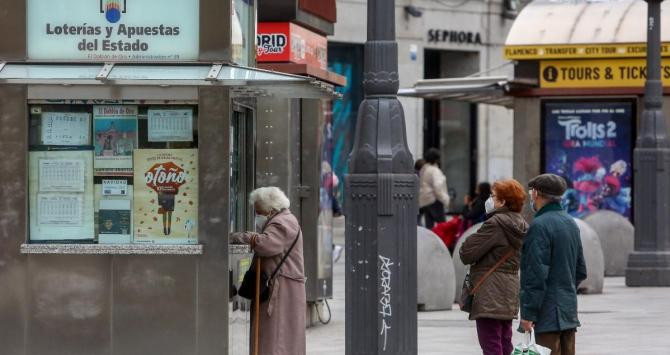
622	321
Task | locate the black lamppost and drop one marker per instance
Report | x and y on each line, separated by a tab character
649	264
381	206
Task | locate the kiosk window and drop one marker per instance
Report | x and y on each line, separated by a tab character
113	174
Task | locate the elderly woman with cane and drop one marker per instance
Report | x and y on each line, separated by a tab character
279	300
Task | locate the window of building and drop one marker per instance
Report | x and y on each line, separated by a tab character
113	174
243	29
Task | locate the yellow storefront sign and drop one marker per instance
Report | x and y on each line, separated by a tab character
599	73
575	51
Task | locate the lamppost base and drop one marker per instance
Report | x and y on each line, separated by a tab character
648	269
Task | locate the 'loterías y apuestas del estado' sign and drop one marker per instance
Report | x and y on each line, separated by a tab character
113	30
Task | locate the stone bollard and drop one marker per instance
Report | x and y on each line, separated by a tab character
617	238
595	262
435	272
459	268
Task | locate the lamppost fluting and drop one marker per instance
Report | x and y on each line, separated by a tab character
381	206
649	263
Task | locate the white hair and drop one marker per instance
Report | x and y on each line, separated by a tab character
269	199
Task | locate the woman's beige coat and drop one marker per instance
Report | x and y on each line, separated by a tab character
432	186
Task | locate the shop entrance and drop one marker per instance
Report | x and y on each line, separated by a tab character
451	126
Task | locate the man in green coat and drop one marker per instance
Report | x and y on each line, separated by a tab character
552	266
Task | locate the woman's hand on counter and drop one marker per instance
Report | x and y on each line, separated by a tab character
237	238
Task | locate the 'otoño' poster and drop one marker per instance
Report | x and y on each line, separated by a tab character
590	145
165	207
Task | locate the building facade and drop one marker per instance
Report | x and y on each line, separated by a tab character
436	39
581	116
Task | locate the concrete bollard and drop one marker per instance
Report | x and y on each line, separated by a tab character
459	268
435	272
595	262
617	238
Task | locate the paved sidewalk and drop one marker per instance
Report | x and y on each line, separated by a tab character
622	321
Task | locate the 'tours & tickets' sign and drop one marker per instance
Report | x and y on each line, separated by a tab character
597	73
113	30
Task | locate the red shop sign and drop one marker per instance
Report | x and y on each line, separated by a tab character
289	43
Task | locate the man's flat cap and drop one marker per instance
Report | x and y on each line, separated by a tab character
549	184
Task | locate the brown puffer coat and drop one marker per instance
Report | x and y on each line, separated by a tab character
498	297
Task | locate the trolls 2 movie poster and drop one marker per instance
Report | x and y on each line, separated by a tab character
590	144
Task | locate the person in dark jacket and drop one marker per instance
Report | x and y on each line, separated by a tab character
496	302
552	266
474	210
418	165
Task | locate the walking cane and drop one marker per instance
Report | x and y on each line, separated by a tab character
257	304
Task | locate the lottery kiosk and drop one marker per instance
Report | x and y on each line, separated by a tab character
128	135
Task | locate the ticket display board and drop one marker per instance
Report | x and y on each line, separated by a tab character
61	199
113	174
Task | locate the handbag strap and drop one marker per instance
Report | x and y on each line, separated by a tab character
283	259
285	255
491	270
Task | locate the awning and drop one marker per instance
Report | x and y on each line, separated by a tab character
490	90
308	70
553	22
243	81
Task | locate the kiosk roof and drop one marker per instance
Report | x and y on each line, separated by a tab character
563	22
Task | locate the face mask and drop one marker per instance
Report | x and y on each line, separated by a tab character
532	203
260	221
489	206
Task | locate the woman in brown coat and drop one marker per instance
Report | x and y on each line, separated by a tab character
282	317
496	302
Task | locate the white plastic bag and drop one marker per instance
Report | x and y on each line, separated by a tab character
528	346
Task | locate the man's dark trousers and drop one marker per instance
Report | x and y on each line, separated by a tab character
560	343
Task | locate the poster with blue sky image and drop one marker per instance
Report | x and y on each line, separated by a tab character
114	138
590	144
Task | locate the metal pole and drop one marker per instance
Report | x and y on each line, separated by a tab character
649	264
257	307
381	206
